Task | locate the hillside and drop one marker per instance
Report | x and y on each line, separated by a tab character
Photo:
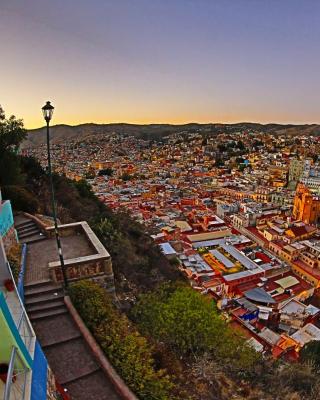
61	133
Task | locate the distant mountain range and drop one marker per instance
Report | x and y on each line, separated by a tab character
62	133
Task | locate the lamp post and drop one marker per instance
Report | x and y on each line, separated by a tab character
47	111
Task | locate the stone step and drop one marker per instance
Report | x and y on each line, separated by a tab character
45	298
48	305
27	229
47	313
81	376
67	338
42	289
71	360
37	284
55	329
94	386
31	232
32	239
24	224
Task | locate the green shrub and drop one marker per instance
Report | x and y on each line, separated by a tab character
190	324
183	319
14	258
128	351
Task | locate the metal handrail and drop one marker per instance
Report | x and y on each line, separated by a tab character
20	320
23	316
14	355
10	374
30	334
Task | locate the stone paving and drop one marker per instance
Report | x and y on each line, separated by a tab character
41	253
68	355
55	330
72	361
20	219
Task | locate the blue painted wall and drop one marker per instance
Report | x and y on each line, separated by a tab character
39	375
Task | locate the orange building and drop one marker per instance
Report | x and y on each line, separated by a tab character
306	206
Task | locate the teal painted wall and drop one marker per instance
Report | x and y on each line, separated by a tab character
6	217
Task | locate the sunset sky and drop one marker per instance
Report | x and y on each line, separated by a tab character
174	61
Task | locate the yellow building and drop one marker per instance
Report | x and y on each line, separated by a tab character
306	206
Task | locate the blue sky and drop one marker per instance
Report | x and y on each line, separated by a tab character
161	60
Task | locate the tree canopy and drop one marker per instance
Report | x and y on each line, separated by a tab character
311	352
129	352
12	133
190	324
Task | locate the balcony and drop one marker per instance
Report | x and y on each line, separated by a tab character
17	343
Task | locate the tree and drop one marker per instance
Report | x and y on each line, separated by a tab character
84	188
222	147
107	232
180	317
126	177
311	352
219	162
21	198
12	133
129	352
190	325
106	171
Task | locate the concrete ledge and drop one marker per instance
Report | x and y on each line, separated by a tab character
77	260
99	251
108	369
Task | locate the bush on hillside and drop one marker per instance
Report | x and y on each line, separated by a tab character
190	324
21	198
127	350
311	352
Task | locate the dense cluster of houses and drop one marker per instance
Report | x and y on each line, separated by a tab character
237	212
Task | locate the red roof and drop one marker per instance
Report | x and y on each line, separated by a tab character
257	233
312	271
263	257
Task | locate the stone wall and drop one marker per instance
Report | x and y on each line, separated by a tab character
7	231
96	266
10	239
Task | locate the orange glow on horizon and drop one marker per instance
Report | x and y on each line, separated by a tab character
38	123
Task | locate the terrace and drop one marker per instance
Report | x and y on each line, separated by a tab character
84	256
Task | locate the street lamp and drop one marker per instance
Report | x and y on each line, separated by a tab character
47	111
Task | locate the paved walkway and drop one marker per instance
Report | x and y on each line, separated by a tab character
41	253
69	357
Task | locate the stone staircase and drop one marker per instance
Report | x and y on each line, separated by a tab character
66	350
71	360
28	231
44	299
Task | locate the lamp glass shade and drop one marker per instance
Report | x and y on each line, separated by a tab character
47	111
